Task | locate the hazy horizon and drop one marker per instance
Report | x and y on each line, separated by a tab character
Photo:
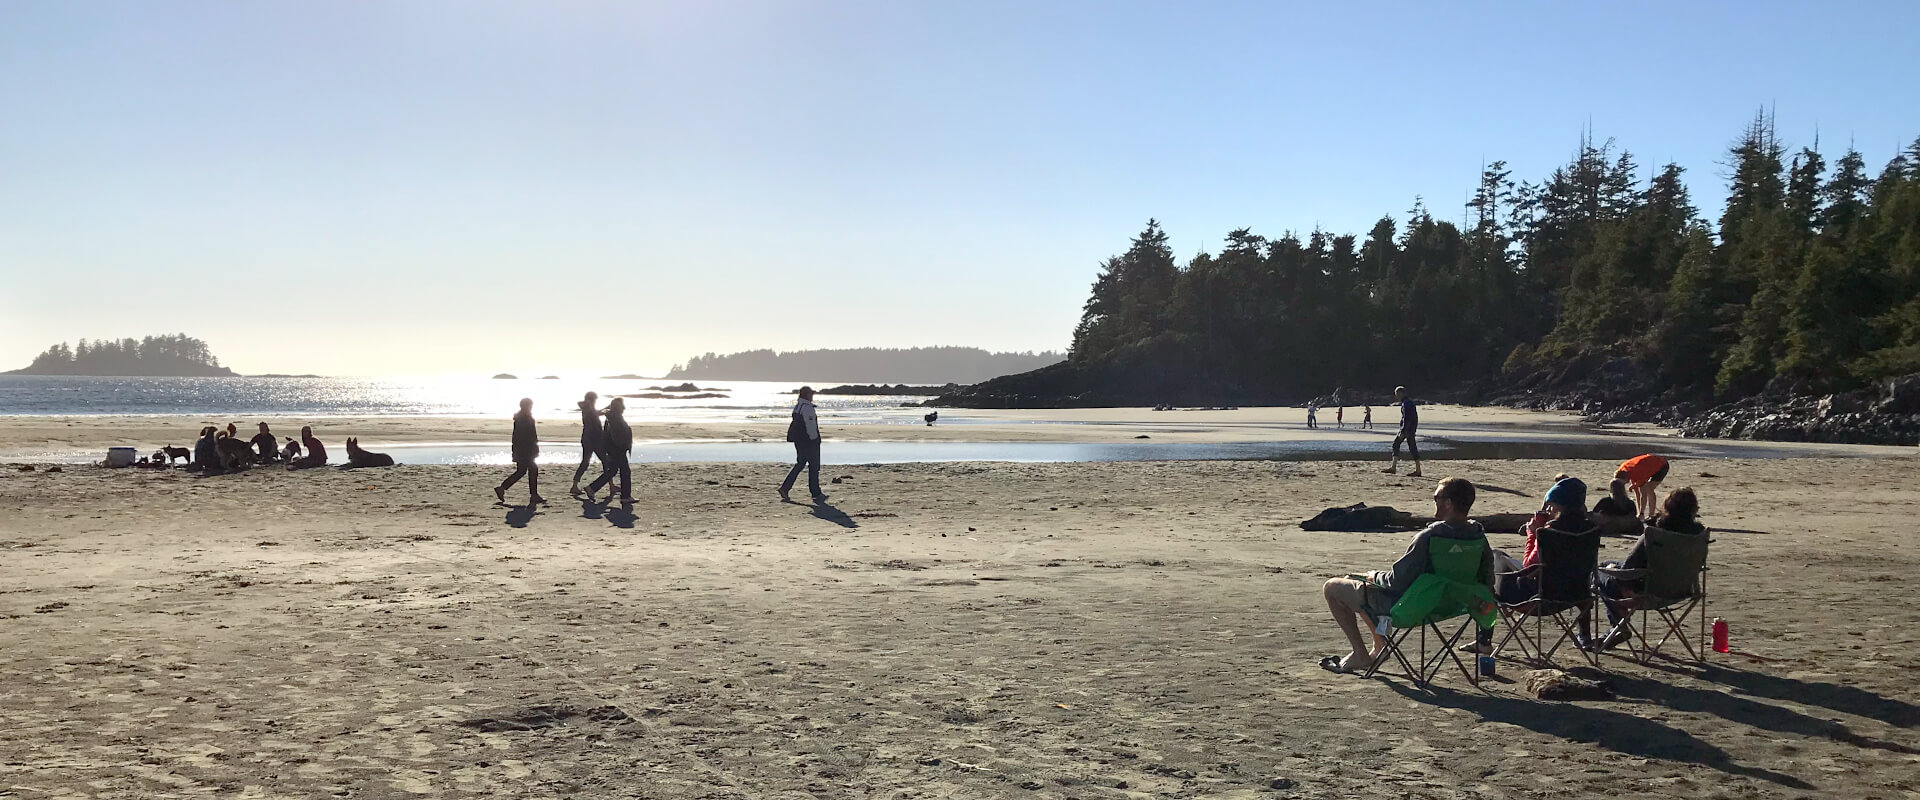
432	188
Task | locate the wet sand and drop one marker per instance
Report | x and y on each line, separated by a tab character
940	630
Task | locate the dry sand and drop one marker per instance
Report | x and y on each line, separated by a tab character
969	631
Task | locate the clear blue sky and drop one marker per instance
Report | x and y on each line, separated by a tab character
589	187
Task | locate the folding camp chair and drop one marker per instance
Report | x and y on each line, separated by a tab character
1561	580
1674	589
1452	590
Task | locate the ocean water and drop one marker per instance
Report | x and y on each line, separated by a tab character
452	397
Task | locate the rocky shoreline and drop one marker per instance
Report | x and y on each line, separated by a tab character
1887	413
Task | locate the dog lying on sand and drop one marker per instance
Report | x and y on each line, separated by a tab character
357	457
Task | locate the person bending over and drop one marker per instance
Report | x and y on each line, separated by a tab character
1359	599
1643	475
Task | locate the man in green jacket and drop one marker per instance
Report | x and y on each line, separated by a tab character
1360	599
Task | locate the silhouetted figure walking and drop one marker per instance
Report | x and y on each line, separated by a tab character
804	433
526	454
593	440
613	460
1409	432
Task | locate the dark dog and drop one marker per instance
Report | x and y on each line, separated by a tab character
357	457
173	453
234	453
930	417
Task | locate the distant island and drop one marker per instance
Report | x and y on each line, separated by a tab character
627	377
506	377
178	355
917	365
883	389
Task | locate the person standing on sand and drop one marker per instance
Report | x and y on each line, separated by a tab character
1340	416
593	440
1409	428
618	443
1313	413
804	433
526	454
1366	416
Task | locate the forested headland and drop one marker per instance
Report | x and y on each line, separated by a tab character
1600	287
178	355
920	365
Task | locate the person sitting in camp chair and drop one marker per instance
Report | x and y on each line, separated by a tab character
1562	520
1360	599
1642	582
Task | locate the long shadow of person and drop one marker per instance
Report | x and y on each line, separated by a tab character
823	510
1844	699
622	517
1614	730
1734	708
519	516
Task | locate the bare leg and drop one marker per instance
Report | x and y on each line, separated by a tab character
1348	618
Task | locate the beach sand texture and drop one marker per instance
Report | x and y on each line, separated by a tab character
958	630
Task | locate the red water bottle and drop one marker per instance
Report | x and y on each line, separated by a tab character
1720	636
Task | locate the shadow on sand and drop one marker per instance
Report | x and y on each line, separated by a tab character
824	510
1844	699
1614	730
519	516
1740	710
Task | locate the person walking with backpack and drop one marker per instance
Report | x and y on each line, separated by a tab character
804	432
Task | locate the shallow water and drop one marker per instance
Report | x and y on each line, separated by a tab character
1438	448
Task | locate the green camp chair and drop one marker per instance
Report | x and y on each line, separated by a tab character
1674	589
1452	590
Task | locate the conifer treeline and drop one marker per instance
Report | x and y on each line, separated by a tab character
178	354
1810	281
933	365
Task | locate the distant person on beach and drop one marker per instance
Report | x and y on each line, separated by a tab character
1369	596
1366	418
1643	475
316	452
804	432
593	440
1313	412
526	452
1340	416
1409	430
206	450
266	444
618	444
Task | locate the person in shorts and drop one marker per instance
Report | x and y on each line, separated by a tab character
1369	596
1643	474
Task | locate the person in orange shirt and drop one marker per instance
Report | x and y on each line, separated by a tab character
1643	475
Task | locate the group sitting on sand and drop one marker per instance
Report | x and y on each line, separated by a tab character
221	450
1364	598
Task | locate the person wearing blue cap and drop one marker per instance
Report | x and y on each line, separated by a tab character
1564	510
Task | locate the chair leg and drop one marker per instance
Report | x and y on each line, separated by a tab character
1449	650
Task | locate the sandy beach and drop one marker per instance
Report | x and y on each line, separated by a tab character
956	630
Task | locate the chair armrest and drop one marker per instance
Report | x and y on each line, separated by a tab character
1622	573
1519	573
